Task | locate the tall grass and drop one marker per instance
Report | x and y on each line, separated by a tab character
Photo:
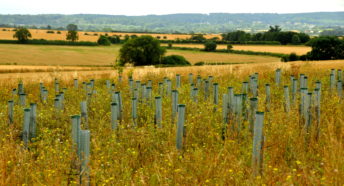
146	154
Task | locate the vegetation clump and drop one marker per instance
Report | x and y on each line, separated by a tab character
210	46
175	60
22	34
103	40
140	51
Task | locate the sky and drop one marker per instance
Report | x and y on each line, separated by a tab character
159	7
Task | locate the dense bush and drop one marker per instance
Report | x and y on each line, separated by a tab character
229	47
210	46
201	63
115	39
103	40
291	57
50	32
175	60
143	50
326	48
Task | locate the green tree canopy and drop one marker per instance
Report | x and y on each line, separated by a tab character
295	39
72	33
72	36
198	38
210	45
275	28
22	34
325	48
143	50
103	40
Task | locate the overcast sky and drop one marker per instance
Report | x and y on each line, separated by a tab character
144	7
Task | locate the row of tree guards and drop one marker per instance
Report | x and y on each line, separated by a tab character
236	108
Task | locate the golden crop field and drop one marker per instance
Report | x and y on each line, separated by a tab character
210	57
103	56
217	144
299	50
42	34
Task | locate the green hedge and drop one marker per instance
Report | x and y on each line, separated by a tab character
187	41
51	42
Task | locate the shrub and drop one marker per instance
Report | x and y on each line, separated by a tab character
86	34
229	47
201	63
50	32
210	46
325	48
303	57
170	45
293	57
103	40
165	37
58	32
114	39
4	29
175	60
95	34
285	58
290	57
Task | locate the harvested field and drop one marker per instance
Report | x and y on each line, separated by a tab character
103	56
91	36
299	50
209	57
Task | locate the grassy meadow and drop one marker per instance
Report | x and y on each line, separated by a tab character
147	155
103	55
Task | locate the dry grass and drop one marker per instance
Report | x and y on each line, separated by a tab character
209	57
42	34
57	55
26	68
146	155
300	50
238	70
81	55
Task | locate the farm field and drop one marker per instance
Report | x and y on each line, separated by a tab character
299	50
14	71
42	34
141	149
103	56
29	68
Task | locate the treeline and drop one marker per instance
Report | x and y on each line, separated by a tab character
274	34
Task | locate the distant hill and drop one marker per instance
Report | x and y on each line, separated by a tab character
184	23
